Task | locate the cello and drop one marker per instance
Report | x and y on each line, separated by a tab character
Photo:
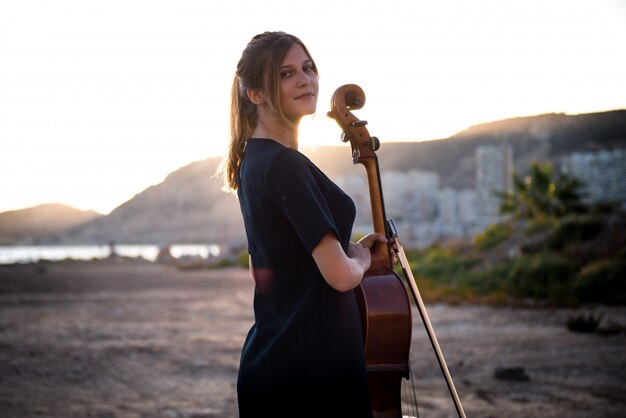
383	299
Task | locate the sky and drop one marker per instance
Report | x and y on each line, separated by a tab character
99	100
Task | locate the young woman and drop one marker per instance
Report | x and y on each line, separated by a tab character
304	354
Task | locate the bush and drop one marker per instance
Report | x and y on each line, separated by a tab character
489	280
536	225
575	229
440	265
602	281
243	259
492	236
542	276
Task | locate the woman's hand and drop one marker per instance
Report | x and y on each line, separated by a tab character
375	242
370	240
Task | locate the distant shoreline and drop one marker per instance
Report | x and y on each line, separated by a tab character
30	254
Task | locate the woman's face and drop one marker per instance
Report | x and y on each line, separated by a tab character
298	84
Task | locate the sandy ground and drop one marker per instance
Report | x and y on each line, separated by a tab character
135	339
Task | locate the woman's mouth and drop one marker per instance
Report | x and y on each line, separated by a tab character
305	96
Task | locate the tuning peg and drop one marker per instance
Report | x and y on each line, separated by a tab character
343	137
374	143
359	123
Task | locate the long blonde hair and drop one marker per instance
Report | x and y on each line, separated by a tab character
258	68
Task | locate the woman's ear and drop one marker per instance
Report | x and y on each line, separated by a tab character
255	96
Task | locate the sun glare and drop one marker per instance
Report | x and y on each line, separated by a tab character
99	102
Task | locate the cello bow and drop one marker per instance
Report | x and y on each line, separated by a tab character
408	274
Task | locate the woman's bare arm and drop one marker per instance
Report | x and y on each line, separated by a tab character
343	271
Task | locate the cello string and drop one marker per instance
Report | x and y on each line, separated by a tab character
410	392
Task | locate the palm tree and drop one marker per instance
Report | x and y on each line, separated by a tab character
539	195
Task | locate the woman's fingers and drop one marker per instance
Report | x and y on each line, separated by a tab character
369	240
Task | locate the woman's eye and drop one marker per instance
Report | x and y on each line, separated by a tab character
285	74
308	69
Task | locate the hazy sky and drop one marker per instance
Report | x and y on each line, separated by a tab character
101	99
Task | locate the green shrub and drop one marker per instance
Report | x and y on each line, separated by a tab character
243	259
602	281
492	236
440	265
488	280
541	276
575	229
536	225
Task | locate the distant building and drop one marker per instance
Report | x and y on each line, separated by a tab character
412	195
603	174
425	213
494	165
357	188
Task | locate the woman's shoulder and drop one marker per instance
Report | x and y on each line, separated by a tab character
271	151
285	158
277	162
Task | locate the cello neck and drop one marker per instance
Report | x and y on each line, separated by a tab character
364	147
379	218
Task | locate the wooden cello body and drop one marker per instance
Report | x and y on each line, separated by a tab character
384	302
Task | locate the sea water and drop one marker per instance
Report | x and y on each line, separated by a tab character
34	253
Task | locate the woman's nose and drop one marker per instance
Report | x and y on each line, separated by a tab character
304	79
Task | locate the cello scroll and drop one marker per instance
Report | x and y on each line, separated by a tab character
346	98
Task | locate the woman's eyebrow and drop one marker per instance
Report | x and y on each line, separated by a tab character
291	65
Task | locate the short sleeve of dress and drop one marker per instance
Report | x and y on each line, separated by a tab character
299	194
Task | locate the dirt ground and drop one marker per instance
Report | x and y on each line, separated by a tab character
136	339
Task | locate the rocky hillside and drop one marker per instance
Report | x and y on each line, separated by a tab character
545	138
36	223
187	207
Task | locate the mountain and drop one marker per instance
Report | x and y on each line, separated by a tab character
187	207
36	223
190	207
544	138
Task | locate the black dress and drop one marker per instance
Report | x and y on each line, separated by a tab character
304	354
